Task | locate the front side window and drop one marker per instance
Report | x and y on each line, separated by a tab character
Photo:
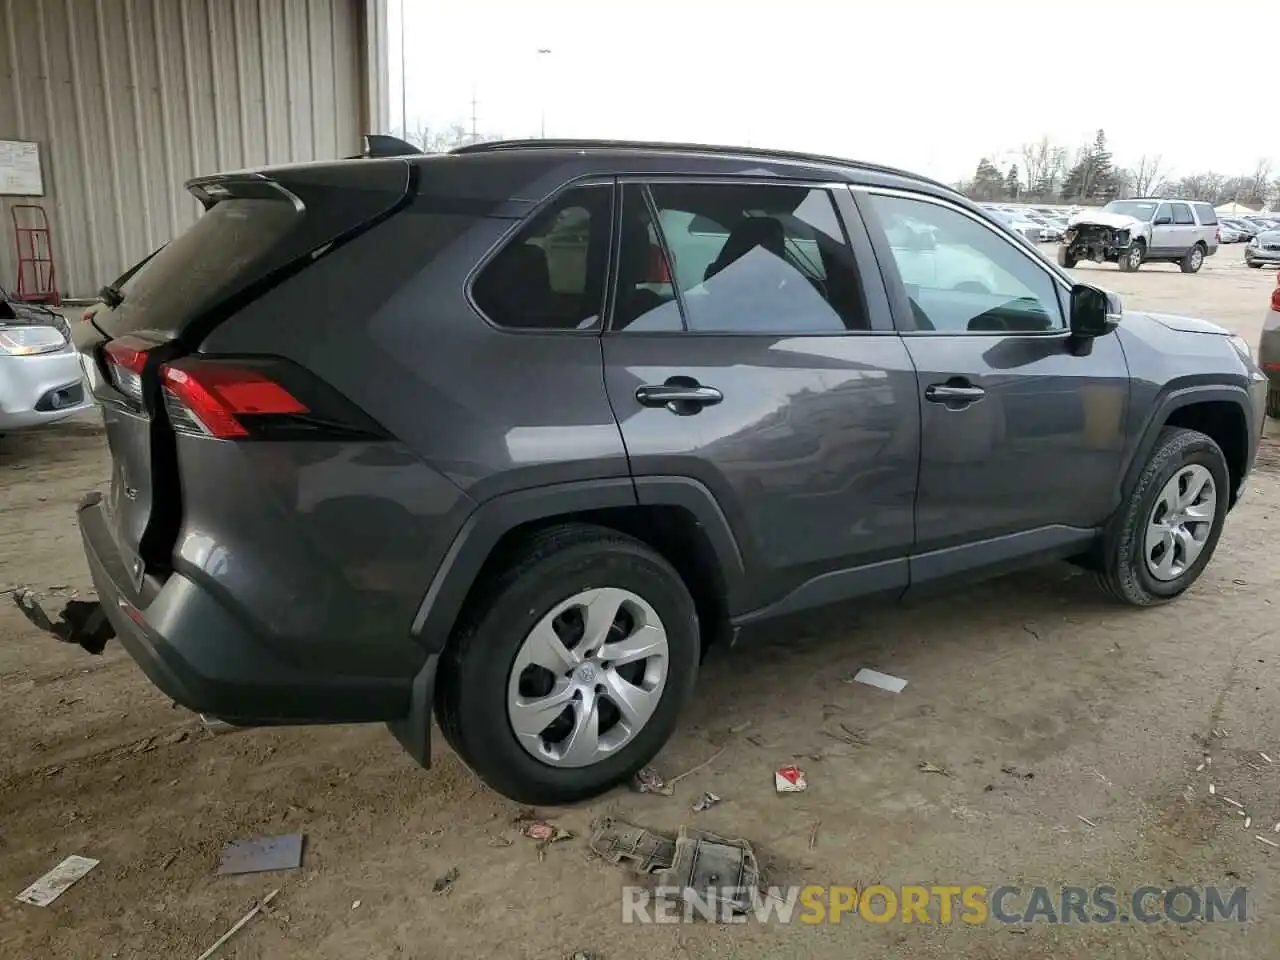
551	275
960	275
735	258
1182	214
1163	214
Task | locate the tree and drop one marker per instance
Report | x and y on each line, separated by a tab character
1093	177
1209	187
1012	185
430	140
987	183
1146	175
1035	162
1258	185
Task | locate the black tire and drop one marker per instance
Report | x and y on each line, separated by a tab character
1121	568
1273	403
550	567
1256	266
1065	259
1190	263
1131	259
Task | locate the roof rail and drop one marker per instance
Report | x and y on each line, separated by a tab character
497	146
380	145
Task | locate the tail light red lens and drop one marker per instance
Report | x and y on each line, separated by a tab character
126	359
1275	295
210	398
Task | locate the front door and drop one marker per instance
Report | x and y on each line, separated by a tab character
1164	233
745	352
1021	437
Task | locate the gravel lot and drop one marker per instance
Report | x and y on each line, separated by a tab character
1097	711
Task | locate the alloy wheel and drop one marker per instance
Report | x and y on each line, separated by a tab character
1179	524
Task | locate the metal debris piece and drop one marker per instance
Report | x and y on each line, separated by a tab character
790	780
1085	820
262	904
874	678
648	780
262	854
645	852
712	869
705	802
924	766
1269	843
445	882
54	883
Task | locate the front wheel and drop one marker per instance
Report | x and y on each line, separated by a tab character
569	668
1192	260
1065	259
1161	539
1131	259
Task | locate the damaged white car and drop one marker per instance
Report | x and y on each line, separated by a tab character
1130	233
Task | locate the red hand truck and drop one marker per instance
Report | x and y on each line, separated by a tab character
37	273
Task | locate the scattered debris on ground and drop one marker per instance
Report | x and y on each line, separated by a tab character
444	882
648	780
54	883
702	766
709	873
924	766
262	855
1085	820
705	802
260	906
790	780
542	831
874	678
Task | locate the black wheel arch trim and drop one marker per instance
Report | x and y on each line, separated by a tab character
493	519
1161	410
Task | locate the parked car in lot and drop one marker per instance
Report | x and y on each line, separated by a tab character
1129	233
1233	231
613	405
40	380
1263	249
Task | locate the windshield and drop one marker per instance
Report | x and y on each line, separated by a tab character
1138	209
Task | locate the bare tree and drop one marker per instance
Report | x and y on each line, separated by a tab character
430	140
1146	175
1035	162
1259	182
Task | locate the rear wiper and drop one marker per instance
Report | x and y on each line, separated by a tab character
111	296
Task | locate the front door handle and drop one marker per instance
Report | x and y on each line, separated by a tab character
956	392
680	395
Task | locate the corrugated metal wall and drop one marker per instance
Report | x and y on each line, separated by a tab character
130	98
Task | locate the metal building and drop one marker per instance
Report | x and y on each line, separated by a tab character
127	99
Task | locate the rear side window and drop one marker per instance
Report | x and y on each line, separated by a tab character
1182	214
550	276
1206	214
737	258
215	257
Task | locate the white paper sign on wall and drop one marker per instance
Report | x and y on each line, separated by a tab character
20	169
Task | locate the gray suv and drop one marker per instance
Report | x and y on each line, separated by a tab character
515	435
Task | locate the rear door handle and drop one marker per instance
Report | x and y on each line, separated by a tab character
680	398
953	393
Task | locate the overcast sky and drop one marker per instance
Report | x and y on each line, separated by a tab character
927	85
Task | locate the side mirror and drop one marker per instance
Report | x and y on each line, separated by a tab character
1094	312
1161	221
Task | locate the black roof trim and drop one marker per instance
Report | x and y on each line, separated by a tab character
658	146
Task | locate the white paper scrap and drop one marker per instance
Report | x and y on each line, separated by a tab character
874	678
52	885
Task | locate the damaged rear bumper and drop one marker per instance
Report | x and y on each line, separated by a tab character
191	646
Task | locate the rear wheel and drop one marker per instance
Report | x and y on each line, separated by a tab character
1065	259
1161	539
1192	260
1131	259
569	668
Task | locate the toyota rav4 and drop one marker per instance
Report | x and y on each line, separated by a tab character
513	435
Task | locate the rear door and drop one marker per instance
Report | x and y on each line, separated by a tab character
253	228
1185	229
750	349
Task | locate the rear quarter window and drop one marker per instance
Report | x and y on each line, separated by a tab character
1205	214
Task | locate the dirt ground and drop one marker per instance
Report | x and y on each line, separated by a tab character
1042	701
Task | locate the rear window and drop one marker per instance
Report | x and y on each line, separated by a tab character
1206	214
213	259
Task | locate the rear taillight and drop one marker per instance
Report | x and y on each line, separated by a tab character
1275	295
126	359
216	398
